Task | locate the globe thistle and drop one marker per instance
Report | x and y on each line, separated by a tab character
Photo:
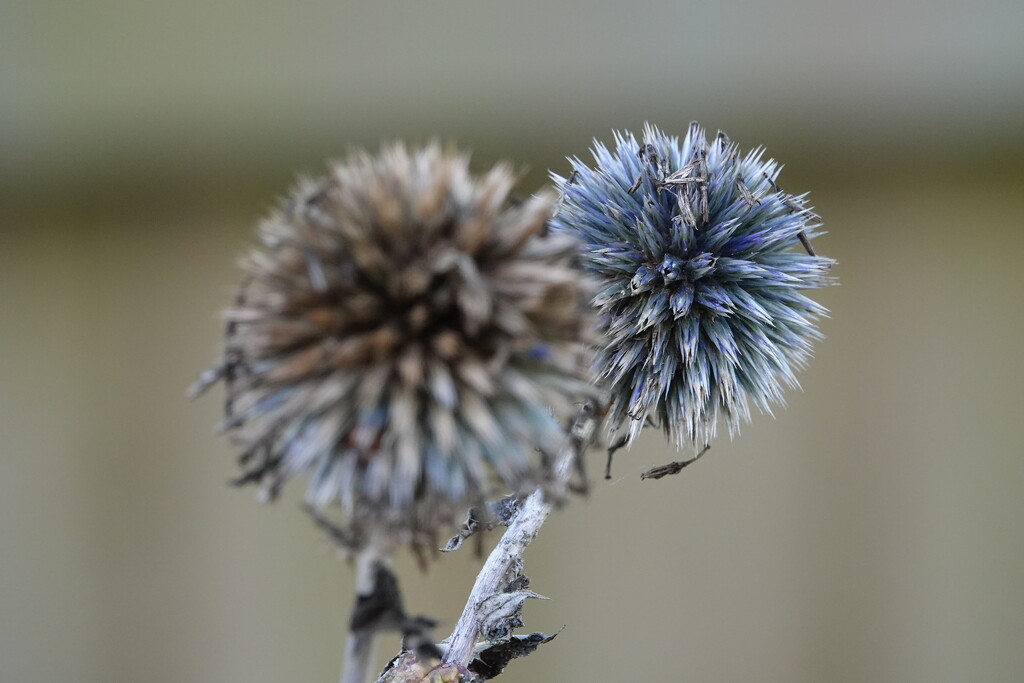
697	251
407	337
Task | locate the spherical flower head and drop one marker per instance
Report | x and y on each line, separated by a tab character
701	269
407	337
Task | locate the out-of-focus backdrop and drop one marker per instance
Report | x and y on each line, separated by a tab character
872	532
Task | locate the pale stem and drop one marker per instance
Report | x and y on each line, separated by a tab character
359	649
521	531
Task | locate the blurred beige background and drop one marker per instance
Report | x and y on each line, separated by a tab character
872	532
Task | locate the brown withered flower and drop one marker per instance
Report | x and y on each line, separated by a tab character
407	337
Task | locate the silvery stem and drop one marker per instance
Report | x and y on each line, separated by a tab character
521	531
359	649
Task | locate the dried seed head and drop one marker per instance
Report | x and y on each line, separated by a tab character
406	337
698	255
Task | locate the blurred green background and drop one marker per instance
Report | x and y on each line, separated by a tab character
872	532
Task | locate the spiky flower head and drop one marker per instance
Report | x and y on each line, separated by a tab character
698	253
407	337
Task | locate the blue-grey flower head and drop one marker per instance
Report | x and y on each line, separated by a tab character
698	253
407	337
